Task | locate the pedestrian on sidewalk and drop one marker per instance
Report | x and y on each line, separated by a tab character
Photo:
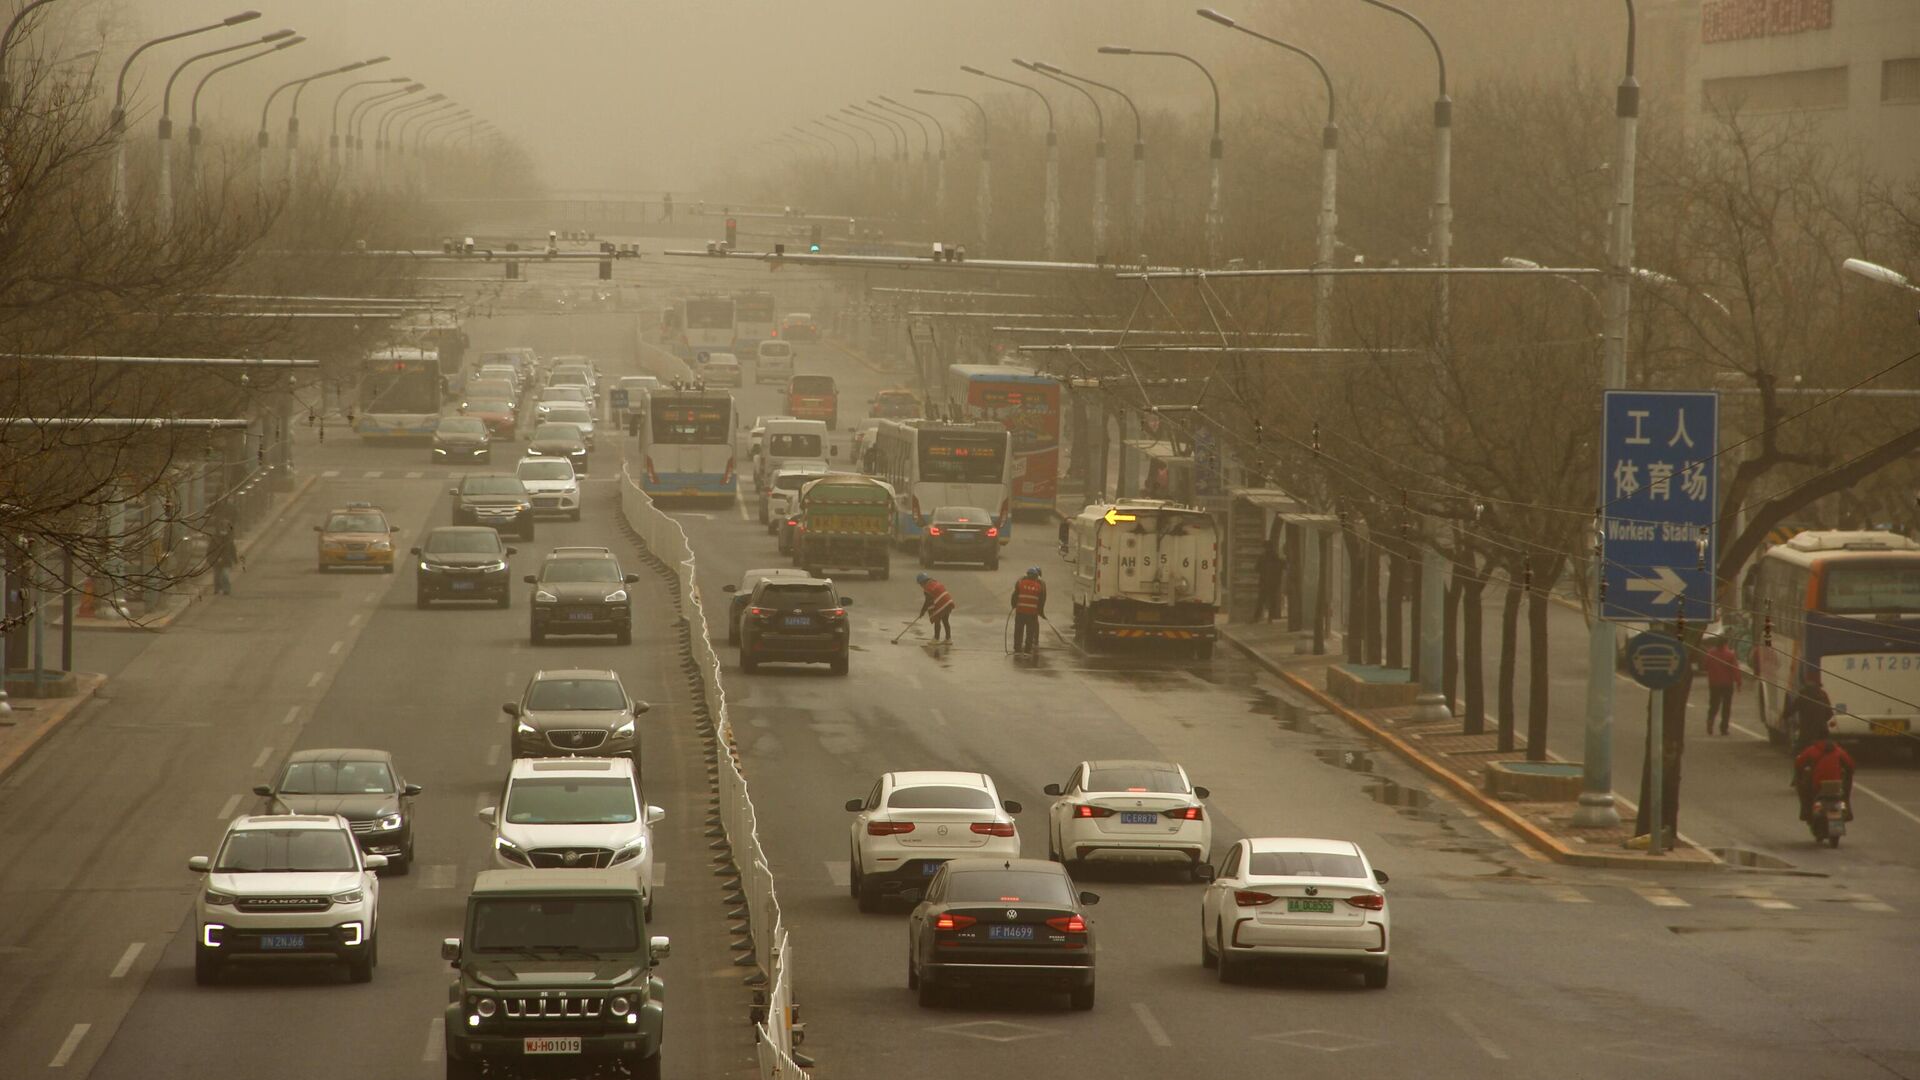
937	605
1807	718
222	556
1722	665
1272	572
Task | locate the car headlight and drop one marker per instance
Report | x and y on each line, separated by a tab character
511	851
217	899
533	452
523	728
542	596
389	823
494	567
523	507
485	1007
630	852
624	730
615	597
381	545
439	449
351	896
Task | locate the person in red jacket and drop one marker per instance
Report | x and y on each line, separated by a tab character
936	605
1822	761
1722	666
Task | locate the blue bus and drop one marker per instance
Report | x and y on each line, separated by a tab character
399	395
686	446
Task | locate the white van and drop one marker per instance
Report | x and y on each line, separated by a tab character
786	439
773	362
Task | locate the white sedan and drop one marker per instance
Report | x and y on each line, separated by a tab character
911	822
1126	809
1298	899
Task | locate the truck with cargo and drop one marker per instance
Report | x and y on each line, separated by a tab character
1145	569
845	522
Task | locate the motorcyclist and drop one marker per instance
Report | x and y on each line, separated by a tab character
936	604
1819	762
1029	604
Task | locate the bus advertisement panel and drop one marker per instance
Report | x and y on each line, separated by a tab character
686	446
753	319
399	395
1027	404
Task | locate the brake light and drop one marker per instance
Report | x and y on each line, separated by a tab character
835	612
1069	924
1091	811
933	530
763	612
1247	898
1369	901
888	828
954	922
728	477
1184	813
993	828
993	530
652	477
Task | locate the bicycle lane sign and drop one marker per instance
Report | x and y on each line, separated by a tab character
1659	493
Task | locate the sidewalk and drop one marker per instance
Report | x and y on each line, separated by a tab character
1459	761
33	719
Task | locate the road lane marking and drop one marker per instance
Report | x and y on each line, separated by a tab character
415	475
1766	901
1857	786
436	1039
65	1053
225	813
659	878
1492	1049
334	649
1867	902
437	876
315	681
1566	894
911	679
938	717
742	507
126	960
840	873
1154	1031
1658	897
493	755
373	474
329	474
1456	890
353	621
293	713
261	761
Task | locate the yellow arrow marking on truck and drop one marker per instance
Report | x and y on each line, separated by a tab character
1114	517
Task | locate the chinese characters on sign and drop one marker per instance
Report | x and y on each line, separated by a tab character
1738	20
1658	503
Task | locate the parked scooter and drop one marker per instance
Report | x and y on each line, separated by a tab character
1828	821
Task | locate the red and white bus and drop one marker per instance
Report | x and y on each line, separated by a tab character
1027	404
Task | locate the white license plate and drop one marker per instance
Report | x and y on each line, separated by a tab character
551	1044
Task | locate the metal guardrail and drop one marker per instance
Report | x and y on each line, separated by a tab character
740	852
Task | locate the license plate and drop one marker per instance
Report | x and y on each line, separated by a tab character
1889	726
283	941
1323	907
798	620
580	616
1129	818
356	556
1003	932
551	1044
462	586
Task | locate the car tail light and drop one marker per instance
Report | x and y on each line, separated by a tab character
1369	901
1068	924
954	922
1091	811
763	612
1184	813
933	530
993	828
1248	898
834	612
728	477
888	828
652	477
993	530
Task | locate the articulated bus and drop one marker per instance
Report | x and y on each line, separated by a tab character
1027	403
399	396
936	463
1845	604
686	445
753	319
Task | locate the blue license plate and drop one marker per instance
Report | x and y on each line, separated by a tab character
356	556
1129	818
798	620
1003	932
283	941
462	586
929	869
580	616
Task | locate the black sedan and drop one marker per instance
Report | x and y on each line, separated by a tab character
462	562
360	785
960	534
502	502
559	441
992	922
461	440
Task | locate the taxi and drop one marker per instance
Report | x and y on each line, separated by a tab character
894	404
356	535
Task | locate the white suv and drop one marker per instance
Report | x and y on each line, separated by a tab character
552	484
782	496
911	822
287	885
578	813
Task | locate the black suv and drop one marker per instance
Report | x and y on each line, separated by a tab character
581	591
803	620
462	562
494	499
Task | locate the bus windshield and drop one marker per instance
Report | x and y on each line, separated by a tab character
1873	589
962	459
709	314
685	423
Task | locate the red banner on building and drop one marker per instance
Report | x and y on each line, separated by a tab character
1738	20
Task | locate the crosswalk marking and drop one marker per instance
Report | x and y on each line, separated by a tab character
1866	902
415	475
1566	894
1659	897
329	474
1765	900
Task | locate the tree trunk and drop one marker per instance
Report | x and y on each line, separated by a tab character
1537	670
1356	603
1450	641
1473	677
1396	596
1371	591
1509	660
1416	593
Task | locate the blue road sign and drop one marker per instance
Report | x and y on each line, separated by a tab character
1659	491
619	398
1657	661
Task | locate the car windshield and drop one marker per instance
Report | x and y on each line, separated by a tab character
461	425
939	797
1136	778
556	800
1009	887
569	376
493	485
544	470
777	350
962	515
608	924
576	416
788	444
463	542
1305	864
603	695
356	523
563	393
811	384
489	405
580	570
795	481
285	851
798	596
337	778
1863	589
557	433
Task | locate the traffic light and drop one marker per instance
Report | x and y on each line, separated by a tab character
813	237
731	227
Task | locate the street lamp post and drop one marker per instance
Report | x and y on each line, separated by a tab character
293	116
164	185
896	133
1099	154
1050	219
1139	150
357	119
410	162
833	148
333	135
1216	218
117	119
937	168
384	143
6	86
823	126
193	110
983	193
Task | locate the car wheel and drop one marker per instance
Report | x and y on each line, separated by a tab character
1376	976
462	1070
539	636
913	974
1223	961
838	665
882	572
624	636
733	633
869	896
399	865
926	558
1082	997
853	875
575	516
360	968
929	991
506	599
527	533
748	665
646	1068
388	569
993	561
1207	959
1203	651
420	599
206	966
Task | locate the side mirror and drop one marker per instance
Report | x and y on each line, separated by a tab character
411	790
450	950
199	864
511	708
1089	898
630	578
1380	876
513	551
833	451
530	579
854	806
376	862
1202	792
659	947
912	896
1012	807
1204	871
414	550
641	708
393	528
655	815
846	601
263	790
488	816
1052	789
453	491
316	528
730	588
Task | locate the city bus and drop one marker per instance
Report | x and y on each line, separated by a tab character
1845	604
936	463
1027	403
686	445
753	320
698	324
399	395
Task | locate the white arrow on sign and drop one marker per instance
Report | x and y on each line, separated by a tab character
1666	585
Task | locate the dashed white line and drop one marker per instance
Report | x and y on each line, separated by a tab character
1155	1032
437	876
329	474
840	873
1766	901
225	813
261	761
659	878
1456	890
1867	902
1659	897
126	960
353	620
436	1039
373	474
315	681
334	649
938	717
1566	894
1492	1049
293	713
415	475
72	1043
493	755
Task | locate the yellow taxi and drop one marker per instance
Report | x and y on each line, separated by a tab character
356	535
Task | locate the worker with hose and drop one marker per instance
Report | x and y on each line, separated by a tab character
936	604
1029	607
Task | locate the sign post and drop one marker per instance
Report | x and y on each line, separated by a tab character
1657	661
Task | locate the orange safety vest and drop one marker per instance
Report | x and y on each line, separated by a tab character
940	601
1029	596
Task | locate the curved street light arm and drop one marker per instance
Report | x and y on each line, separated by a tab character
6	37
855	143
166	95
1050	69
895	130
357	116
1121	50
1034	90
872	143
1099	119
1332	114
937	125
350	88
193	114
1441	58
341	70
120	84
